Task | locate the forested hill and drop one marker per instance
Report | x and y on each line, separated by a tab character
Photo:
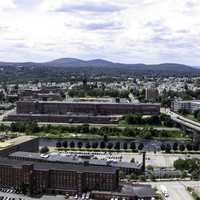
65	67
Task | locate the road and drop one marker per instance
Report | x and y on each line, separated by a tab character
6	113
183	120
176	189
77	124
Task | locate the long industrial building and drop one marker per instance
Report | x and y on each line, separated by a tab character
34	177
78	112
126	167
94	108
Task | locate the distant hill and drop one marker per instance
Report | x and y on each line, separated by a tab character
65	63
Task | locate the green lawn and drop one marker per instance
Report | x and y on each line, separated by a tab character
124	124
190	116
174	135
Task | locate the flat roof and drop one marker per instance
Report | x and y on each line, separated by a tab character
56	166
188	101
16	141
62	158
98	103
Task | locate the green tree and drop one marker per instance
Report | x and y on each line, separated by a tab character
142	178
133	119
44	150
72	144
182	147
163	147
121	174
65	144
179	164
168	148
58	144
183	174
140	146
195	175
102	145
189	147
125	146
175	146
110	145
133	146
150	167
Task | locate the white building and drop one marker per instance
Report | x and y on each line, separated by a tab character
189	106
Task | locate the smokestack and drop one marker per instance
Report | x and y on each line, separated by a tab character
143	160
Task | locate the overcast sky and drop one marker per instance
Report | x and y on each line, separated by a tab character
129	31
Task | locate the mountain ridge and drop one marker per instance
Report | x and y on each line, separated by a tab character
101	63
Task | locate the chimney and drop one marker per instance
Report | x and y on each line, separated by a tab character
143	160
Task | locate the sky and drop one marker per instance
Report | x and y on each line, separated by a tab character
128	31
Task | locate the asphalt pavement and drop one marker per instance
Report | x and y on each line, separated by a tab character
177	189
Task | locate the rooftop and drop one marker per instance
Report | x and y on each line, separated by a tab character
92	102
15	141
56	166
62	158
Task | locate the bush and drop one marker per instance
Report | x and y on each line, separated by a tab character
79	144
117	146
133	176
95	145
182	147
102	145
125	146
175	146
87	145
168	148
140	146
58	144
133	146
110	145
152	177
44	150
163	147
150	167
189	147
142	178
184	174
72	144
65	144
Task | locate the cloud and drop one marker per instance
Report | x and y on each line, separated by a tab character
91	6
87	7
102	26
27	4
149	31
7	5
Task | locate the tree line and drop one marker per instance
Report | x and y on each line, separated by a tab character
145	133
161	119
102	145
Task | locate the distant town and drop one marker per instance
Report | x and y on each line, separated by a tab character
100	138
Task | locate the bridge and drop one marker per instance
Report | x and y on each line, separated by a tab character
186	124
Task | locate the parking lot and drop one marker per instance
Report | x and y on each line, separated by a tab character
9	194
176	190
165	160
156	160
6	196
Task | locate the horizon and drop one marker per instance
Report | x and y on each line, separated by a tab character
44	30
114	62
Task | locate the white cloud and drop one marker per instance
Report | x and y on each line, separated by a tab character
149	31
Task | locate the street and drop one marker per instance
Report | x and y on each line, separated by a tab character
177	189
